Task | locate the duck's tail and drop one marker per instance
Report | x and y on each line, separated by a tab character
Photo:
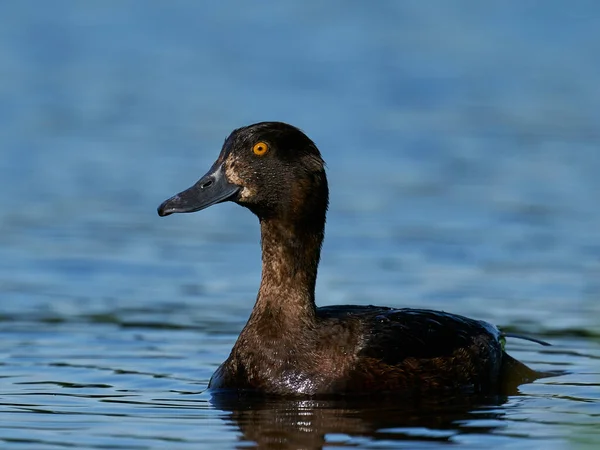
514	373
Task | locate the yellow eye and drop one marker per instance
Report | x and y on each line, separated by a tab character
260	148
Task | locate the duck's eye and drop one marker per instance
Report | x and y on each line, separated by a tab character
260	148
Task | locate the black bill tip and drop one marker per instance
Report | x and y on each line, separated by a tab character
165	209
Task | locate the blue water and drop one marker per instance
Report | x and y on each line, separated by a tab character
463	153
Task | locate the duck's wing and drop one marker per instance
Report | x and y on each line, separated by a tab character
422	340
421	349
397	334
392	335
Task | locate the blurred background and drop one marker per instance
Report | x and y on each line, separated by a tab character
462	144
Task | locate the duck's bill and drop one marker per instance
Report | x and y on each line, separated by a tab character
212	188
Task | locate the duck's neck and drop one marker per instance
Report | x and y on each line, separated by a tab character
290	257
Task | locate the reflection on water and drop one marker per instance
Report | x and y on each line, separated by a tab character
313	424
462	150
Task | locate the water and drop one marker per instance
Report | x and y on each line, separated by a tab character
462	149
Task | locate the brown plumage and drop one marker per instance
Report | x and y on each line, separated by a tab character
291	347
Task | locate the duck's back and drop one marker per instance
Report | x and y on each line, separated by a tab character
419	350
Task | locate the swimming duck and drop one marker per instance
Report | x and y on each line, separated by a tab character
291	347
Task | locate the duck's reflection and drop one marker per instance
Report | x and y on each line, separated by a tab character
312	424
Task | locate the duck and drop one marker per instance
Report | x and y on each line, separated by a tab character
291	347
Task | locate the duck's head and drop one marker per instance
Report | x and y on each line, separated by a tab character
271	168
